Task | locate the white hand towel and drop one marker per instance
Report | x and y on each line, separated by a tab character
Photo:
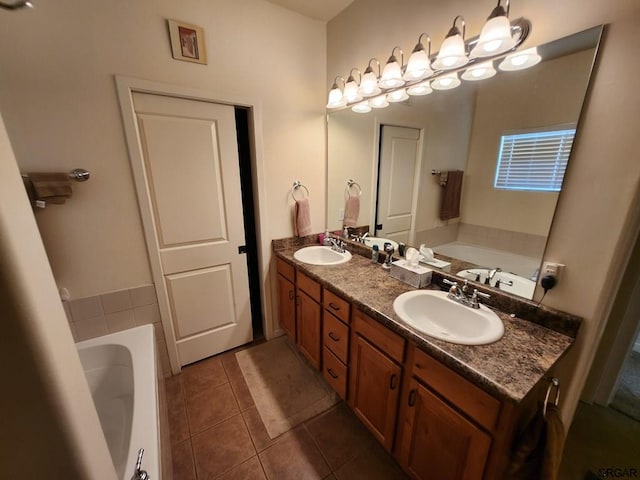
351	211
302	220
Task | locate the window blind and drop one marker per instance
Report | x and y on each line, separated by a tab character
534	160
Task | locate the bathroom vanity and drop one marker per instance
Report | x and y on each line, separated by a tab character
443	410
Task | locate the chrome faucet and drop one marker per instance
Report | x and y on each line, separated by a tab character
359	238
490	274
138	473
337	245
461	294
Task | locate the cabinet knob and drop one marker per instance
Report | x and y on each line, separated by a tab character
412	398
291	296
392	382
333	306
333	337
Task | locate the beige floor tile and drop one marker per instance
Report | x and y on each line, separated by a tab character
182	457
242	393
258	433
219	449
210	406
339	435
206	373
249	470
231	366
294	457
178	425
371	464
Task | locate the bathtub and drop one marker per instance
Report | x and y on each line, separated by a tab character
121	369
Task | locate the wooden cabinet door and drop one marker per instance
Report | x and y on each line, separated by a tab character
287	306
309	326
375	389
438	442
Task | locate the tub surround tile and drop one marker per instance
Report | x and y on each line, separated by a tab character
294	457
116	301
91	328
86	308
221	448
146	314
67	311
119	321
141	296
509	368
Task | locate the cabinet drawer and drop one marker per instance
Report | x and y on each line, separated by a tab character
309	286
335	336
336	305
286	270
335	373
472	400
384	339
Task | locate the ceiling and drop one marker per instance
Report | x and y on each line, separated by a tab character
323	10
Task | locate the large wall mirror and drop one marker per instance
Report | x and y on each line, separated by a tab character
392	153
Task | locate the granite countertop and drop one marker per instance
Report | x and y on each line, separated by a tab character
508	368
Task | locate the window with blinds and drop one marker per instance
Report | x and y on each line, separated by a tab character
533	161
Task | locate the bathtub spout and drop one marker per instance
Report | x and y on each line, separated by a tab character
490	274
138	473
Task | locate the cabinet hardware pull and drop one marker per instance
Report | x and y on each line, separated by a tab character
412	398
291	295
330	372
334	306
392	382
333	337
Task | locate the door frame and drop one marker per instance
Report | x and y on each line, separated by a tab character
126	87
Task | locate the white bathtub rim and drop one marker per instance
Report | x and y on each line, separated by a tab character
146	413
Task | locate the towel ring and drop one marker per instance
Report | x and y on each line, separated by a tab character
351	183
296	186
553	383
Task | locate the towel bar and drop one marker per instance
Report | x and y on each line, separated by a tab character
77	174
553	383
297	185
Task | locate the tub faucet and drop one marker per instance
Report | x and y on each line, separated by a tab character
138	473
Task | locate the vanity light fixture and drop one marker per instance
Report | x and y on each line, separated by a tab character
392	72
479	72
398	96
453	53
362	107
369	82
379	102
419	65
336	98
446	82
424	71
520	60
351	94
496	36
423	88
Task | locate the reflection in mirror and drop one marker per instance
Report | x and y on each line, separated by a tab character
392	152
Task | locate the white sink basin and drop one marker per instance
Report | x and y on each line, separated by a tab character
379	241
321	255
509	282
432	313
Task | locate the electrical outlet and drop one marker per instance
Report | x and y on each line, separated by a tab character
552	269
341	214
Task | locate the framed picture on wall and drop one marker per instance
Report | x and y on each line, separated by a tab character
187	42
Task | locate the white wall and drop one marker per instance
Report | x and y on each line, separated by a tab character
58	97
593	220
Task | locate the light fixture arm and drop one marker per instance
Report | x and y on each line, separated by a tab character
393	58
455	31
335	82
419	45
499	11
351	78
369	69
17	5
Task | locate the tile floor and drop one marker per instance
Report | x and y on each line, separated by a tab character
600	438
217	433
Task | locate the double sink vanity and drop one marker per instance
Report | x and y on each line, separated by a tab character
444	408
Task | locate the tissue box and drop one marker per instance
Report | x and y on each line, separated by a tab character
446	266
417	276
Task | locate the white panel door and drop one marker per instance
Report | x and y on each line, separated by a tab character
398	168
192	184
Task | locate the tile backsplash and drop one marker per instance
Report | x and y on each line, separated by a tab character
116	311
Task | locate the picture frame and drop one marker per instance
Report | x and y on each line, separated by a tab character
187	42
